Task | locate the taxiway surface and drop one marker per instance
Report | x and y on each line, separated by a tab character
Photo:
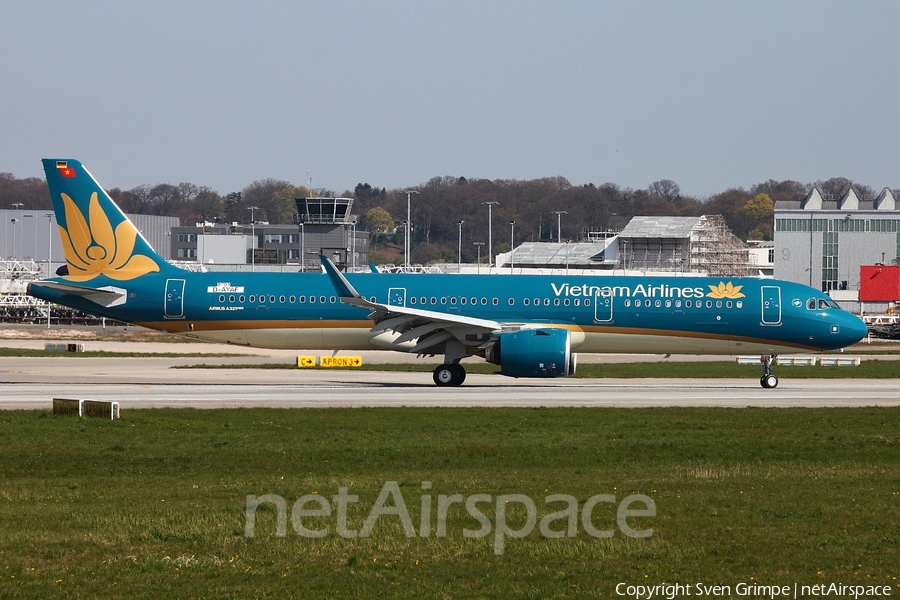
151	381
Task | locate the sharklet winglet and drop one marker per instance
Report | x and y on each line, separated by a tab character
343	287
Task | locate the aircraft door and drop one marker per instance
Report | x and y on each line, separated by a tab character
771	305
397	296
174	305
603	308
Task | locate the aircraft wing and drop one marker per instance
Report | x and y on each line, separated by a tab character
429	328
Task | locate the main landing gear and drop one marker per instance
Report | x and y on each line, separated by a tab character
768	379
452	374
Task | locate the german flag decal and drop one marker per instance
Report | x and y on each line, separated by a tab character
64	170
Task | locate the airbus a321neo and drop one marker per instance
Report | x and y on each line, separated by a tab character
529	325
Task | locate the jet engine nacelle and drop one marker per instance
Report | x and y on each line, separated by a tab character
540	352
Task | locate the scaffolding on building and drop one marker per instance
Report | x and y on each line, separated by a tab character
718	252
702	245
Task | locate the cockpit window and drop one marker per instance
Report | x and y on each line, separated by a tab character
811	304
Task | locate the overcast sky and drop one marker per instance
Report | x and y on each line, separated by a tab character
710	94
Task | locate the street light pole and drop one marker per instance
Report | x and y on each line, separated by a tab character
459	249
302	246
15	255
252	237
479	245
408	193
490	206
559	214
512	244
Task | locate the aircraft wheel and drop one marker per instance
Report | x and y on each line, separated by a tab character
768	381
445	375
459	373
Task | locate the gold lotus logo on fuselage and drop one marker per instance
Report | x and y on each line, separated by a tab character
725	290
93	247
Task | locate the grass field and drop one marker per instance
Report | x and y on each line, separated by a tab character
153	505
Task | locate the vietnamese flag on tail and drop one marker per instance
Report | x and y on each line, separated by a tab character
64	169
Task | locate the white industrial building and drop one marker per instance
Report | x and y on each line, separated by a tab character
823	241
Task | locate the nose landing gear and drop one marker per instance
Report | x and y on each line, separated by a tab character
768	379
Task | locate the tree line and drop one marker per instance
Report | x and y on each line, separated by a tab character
442	202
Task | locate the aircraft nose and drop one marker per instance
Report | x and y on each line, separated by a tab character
852	329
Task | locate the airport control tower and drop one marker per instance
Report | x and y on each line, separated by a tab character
328	227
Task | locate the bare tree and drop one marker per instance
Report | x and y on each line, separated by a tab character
665	188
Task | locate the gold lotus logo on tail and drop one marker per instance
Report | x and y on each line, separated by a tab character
93	248
725	290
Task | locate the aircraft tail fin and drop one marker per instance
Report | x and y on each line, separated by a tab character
97	237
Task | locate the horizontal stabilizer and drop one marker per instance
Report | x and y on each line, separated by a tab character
104	296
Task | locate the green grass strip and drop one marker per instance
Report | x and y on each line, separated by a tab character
29	352
875	369
154	504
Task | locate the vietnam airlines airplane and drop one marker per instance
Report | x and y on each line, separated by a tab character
530	325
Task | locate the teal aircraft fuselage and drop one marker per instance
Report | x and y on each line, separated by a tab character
531	325
605	314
